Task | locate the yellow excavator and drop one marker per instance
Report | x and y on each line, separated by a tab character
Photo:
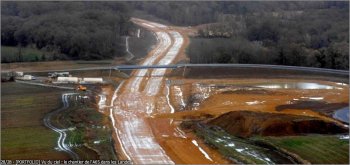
81	88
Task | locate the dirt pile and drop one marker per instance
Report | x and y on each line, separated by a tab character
248	123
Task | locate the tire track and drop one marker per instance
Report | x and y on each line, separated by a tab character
62	132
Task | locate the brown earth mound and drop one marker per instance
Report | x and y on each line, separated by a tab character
248	123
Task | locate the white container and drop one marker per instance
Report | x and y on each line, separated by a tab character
68	79
19	74
27	77
92	80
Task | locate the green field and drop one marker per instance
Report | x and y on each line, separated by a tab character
28	54
91	133
23	135
314	148
317	149
239	150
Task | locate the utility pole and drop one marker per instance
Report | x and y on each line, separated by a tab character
183	73
110	72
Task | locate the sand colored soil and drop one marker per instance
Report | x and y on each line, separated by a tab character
185	32
240	94
180	146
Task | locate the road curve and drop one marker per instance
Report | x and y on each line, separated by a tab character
152	87
132	106
62	132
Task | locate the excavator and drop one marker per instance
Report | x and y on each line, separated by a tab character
81	88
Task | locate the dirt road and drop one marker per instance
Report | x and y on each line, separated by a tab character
62	146
140	137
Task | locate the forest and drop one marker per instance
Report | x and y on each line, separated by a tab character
70	30
298	33
315	37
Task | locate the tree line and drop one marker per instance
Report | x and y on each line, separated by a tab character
189	13
289	33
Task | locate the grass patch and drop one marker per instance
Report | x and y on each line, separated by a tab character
92	130
317	149
28	54
25	105
141	46
239	150
27	137
95	62
76	137
23	135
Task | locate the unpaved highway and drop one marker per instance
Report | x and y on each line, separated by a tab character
131	107
138	136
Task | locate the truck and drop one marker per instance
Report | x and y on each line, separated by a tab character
81	88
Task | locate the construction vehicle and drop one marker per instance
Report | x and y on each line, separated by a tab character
81	88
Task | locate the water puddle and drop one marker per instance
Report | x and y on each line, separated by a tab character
102	101
344	137
254	102
201	150
295	85
342	114
311	98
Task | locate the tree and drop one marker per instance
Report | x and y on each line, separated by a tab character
20	56
43	57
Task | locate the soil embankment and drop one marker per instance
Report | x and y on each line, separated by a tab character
248	123
317	106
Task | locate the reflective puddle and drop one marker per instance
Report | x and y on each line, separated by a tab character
296	85
342	114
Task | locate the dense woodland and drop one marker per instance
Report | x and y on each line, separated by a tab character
317	38
289	33
74	30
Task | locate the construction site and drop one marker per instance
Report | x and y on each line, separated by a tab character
161	111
